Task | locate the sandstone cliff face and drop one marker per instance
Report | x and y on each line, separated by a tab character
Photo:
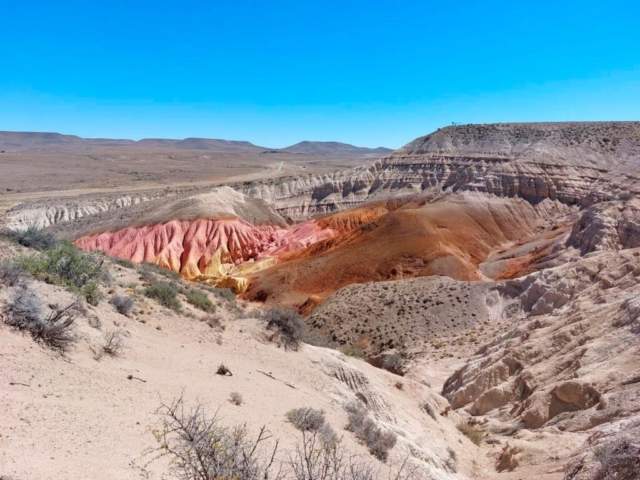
574	163
580	163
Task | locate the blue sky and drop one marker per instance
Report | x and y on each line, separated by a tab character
276	72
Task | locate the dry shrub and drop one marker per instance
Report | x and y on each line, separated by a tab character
288	326
367	431
306	418
11	274
235	398
55	330
200	448
113	343
123	304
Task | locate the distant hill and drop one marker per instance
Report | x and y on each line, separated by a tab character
25	141
46	141
333	148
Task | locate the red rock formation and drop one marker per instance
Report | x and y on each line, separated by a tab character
188	246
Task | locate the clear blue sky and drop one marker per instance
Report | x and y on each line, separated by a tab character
276	72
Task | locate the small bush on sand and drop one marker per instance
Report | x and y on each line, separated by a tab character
200	300
235	398
11	274
66	265
288	326
24	312
200	448
378	441
112	345
91	293
123	304
32	237
306	419
472	432
165	293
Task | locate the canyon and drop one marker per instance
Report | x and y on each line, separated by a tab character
499	262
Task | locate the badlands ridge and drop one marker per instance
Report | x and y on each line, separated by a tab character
501	262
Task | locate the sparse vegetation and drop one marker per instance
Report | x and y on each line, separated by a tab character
378	441
235	398
472	432
288	325
200	300
65	265
123	304
165	293
306	419
200	448
11	274
32	237
112	345
24	312
91	293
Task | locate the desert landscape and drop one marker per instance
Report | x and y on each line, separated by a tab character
464	307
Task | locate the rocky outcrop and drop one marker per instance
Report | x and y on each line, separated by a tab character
565	362
43	215
613	225
575	163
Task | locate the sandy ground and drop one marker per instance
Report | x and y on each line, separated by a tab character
75	417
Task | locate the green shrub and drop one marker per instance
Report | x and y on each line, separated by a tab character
165	293
65	265
200	300
91	293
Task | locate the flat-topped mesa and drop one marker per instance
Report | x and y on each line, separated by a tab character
575	163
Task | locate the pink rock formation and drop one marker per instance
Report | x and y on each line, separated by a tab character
188	246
